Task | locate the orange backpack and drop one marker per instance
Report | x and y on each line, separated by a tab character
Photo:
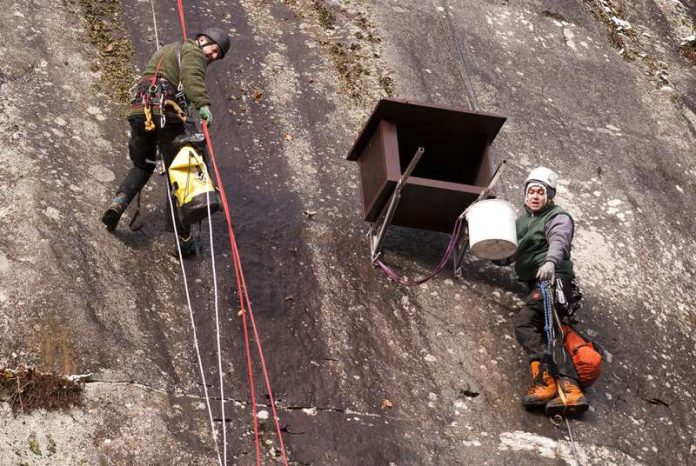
586	357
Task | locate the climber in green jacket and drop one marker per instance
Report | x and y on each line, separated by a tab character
544	236
173	84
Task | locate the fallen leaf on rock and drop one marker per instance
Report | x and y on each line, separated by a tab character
386	404
257	95
287	136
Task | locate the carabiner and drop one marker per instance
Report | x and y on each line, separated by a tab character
163	119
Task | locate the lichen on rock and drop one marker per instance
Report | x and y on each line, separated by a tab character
108	34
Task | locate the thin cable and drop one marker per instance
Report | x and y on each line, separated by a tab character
451	37
572	442
154	21
217	328
193	324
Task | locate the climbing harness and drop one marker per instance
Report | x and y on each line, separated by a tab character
158	94
148	95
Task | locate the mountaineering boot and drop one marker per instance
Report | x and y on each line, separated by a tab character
543	389
113	213
570	400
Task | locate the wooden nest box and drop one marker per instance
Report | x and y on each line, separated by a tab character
455	167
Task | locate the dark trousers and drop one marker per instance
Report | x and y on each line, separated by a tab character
142	149
530	334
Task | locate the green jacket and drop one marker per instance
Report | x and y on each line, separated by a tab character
533	245
191	75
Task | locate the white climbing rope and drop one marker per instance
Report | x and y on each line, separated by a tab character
190	308
193	324
154	22
217	327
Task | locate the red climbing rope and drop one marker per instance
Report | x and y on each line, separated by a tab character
246	308
180	6
245	302
236	262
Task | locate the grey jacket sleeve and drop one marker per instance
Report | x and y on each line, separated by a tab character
559	235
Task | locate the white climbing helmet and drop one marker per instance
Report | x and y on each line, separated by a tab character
544	176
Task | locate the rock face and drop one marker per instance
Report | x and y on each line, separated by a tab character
365	372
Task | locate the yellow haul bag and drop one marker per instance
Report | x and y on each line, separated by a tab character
192	186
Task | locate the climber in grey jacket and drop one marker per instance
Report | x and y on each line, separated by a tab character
544	237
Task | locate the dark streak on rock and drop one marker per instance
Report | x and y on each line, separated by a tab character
553	14
657	401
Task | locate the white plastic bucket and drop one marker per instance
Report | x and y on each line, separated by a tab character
492	230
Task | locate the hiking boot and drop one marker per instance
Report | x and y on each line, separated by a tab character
542	390
570	400
113	213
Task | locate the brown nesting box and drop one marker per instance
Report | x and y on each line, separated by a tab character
454	169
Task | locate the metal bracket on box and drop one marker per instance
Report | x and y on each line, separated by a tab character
378	229
462	245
